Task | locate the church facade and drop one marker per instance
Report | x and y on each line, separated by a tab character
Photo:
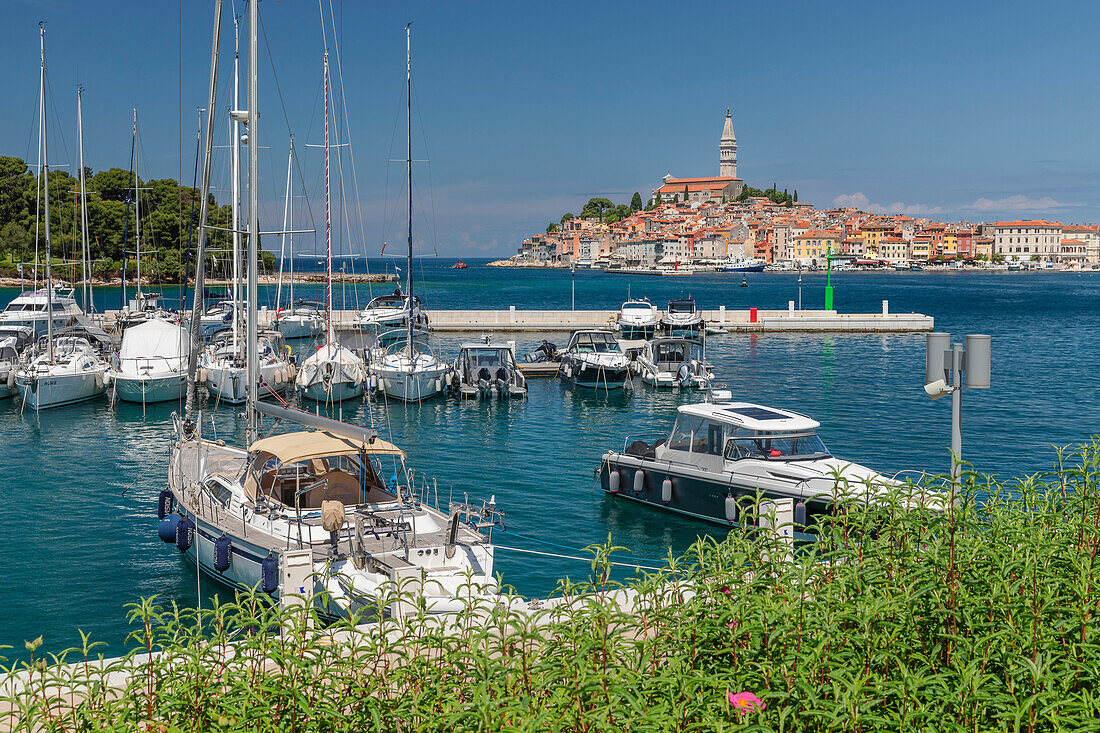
726	186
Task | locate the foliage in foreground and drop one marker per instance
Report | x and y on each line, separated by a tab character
979	618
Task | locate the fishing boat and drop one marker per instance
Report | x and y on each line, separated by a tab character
486	369
332	373
68	367
33	308
332	497
720	454
594	359
14	340
682	318
674	363
460	265
410	370
638	319
152	363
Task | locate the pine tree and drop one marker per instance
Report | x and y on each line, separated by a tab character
636	202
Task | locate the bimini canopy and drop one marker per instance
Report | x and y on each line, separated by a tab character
305	445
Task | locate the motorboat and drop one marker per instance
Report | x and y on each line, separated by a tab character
682	318
638	319
391	312
68	369
486	369
544	353
29	308
675	363
740	264
594	359
409	368
721	454
152	363
302	320
460	265
13	341
223	366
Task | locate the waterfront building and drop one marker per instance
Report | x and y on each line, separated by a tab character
811	248
894	249
921	248
1089	234
1024	239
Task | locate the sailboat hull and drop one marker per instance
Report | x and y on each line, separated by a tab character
411	387
300	328
44	392
163	388
229	384
321	391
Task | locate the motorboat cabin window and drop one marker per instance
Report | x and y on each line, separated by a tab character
484	357
697	435
681	306
777	447
671	353
640	307
599	343
218	491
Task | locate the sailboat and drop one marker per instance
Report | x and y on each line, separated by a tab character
298	320
321	498
332	373
223	362
410	370
69	365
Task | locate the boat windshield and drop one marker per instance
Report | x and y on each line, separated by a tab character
681	306
485	357
645	307
388	301
777	447
596	343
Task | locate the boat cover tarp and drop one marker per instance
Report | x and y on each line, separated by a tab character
304	445
156	339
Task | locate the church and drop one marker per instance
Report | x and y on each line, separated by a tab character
725	186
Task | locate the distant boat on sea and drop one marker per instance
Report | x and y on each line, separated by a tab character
460	265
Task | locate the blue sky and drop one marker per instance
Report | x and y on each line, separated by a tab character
953	110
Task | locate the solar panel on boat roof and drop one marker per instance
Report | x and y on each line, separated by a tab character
758	413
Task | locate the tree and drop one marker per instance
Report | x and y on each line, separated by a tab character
636	202
595	208
796	195
551	228
676	199
685	192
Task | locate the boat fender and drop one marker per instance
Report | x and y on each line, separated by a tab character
269	574
106	379
731	508
613	482
185	534
223	553
568	371
373	382
639	481
99	380
204	375
11	379
800	514
278	376
666	490
293	370
166	529
164	503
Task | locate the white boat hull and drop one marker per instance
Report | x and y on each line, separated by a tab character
228	384
46	391
152	388
335	391
411	387
295	327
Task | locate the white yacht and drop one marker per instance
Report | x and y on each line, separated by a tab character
13	341
29	308
682	318
152	363
594	359
486	369
301	320
720	454
222	366
69	368
391	312
638	319
674	362
409	369
740	264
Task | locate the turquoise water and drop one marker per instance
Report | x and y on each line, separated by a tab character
77	498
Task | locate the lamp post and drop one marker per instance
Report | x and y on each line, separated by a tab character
800	286
573	273
947	369
829	277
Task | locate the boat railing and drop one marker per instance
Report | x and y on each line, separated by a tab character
631	439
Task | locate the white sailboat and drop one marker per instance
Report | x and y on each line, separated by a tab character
332	373
152	363
411	370
298	320
69	365
223	362
318	498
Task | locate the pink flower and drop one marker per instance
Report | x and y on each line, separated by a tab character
745	702
725	589
732	625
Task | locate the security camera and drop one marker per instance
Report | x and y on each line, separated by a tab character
937	389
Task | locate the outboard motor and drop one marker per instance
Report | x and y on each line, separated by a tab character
483	379
502	380
683	376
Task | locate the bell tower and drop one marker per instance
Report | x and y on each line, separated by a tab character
727	150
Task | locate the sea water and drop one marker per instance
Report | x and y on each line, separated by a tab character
78	484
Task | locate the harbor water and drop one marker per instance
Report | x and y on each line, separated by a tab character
78	485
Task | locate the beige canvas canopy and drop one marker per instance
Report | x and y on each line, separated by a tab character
304	445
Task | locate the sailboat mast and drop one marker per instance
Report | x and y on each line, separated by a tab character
44	171
235	184
85	246
204	207
253	211
328	221
409	168
282	244
137	216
